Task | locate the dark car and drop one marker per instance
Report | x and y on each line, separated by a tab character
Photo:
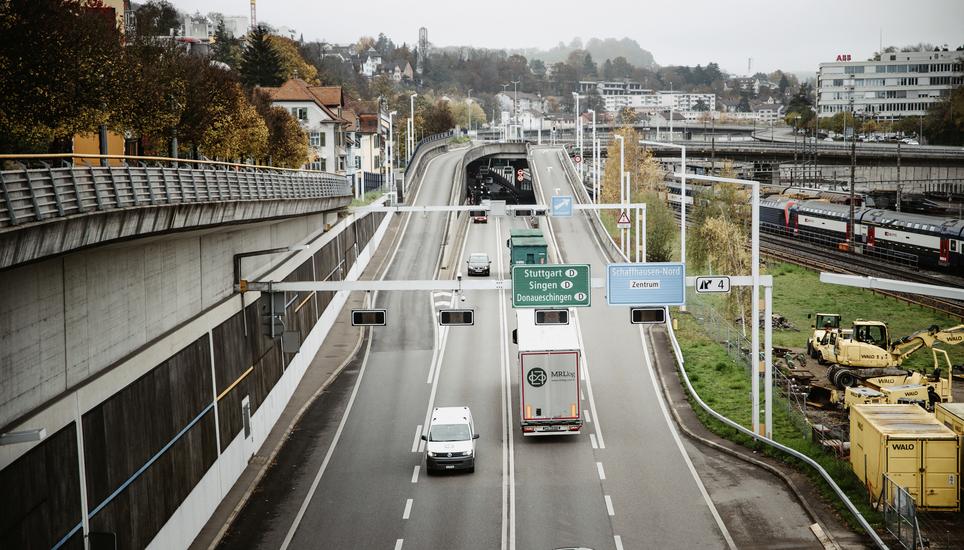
479	264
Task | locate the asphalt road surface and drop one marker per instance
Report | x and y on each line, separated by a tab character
352	474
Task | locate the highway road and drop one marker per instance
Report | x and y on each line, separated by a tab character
352	474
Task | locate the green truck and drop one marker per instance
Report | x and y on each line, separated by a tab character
527	246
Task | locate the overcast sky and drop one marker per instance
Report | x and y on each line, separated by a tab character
789	35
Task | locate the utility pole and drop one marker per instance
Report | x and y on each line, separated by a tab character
515	105
898	176
853	167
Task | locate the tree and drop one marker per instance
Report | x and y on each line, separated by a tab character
261	64
627	116
744	105
292	64
438	118
154	92
538	67
783	85
594	102
156	18
646	184
60	77
287	141
701	105
944	124
227	49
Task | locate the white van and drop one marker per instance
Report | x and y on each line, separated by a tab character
450	442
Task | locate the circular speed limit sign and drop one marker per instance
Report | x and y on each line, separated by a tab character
577	159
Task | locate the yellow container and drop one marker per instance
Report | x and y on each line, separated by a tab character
951	415
912	447
858	395
904	391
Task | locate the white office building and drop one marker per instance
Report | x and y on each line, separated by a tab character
617	95
899	84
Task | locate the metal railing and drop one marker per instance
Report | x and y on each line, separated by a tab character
900	514
30	194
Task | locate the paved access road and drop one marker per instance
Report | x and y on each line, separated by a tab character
354	474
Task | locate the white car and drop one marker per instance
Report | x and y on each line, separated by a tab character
910	141
450	442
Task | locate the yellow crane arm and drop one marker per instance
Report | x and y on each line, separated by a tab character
909	344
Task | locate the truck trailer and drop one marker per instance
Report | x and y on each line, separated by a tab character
549	376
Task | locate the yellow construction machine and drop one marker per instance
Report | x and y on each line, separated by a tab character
822	324
869	355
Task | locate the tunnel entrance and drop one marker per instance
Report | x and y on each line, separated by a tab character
499	177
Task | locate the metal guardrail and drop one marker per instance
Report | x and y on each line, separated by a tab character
30	195
678	354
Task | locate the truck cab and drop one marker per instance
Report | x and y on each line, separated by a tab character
822	323
527	246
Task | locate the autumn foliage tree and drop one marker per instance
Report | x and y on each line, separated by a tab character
287	141
61	67
647	185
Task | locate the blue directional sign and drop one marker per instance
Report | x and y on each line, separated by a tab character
561	206
649	284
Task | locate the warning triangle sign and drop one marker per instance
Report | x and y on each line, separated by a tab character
623	219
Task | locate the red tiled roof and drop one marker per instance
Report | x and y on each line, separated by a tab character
296	89
330	96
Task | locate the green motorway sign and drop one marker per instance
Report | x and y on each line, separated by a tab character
545	285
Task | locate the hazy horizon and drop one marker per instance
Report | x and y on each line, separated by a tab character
792	37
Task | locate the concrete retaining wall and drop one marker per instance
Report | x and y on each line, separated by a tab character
161	437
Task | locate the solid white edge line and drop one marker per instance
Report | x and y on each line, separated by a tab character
415	473
619	542
408	509
351	400
331	449
609	506
418	437
599	469
679	443
399	543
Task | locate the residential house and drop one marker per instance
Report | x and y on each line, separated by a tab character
310	106
399	71
372	61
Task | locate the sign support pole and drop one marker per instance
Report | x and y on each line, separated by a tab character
768	368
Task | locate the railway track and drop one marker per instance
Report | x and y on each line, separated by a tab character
823	259
855	264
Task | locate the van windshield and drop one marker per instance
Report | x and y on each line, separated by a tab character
449	432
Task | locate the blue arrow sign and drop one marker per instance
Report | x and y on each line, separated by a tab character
561	206
650	284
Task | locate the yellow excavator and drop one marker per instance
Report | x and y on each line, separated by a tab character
822	324
868	353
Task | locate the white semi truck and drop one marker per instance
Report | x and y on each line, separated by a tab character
549	360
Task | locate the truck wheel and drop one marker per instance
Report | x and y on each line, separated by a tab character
810	350
844	379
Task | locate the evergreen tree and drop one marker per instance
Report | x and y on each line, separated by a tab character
227	49
260	62
744	105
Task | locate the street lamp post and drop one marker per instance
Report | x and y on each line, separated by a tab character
390	153
595	159
468	107
515	104
622	183
505	123
411	126
853	167
578	135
